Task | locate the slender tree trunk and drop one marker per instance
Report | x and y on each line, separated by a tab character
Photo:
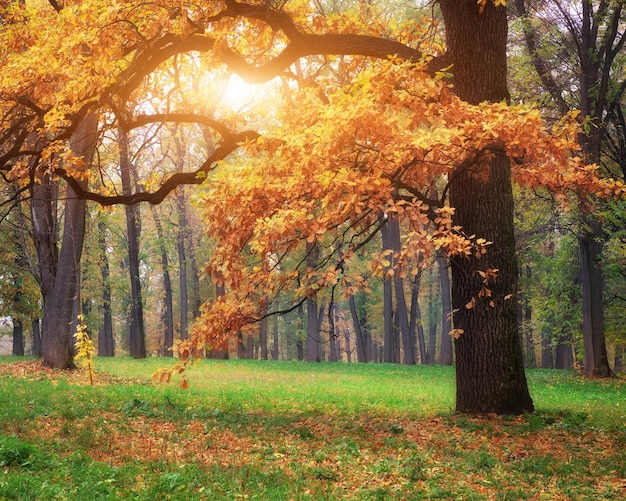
275	338
320	322
333	333
445	357
312	331
167	315
195	279
219	352
182	262
106	343
347	346
416	326
402	315
489	367
432	343
591	243
136	332
388	317
361	345
36	346
263	327
299	342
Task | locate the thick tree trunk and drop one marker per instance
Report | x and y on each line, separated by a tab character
564	356
59	278
490	371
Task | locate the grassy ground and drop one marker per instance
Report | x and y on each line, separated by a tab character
296	431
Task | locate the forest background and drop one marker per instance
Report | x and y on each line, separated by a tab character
142	279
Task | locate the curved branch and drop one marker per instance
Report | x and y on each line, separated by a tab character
141	120
175	180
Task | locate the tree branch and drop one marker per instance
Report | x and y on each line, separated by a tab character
175	180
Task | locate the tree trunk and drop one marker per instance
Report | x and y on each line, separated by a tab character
489	367
182	262
59	276
18	338
333	335
263	327
402	315
389	331
590	244
195	279
136	332
564	356
416	327
275	337
445	354
361	345
106	343
219	352
167	314
347	345
36	347
312	331
299	342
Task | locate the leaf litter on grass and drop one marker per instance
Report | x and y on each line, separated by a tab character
357	456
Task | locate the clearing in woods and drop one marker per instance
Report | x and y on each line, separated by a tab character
292	430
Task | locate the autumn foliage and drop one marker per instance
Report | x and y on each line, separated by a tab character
345	143
333	172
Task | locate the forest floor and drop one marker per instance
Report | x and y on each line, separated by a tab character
296	431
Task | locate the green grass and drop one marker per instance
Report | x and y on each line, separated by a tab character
291	430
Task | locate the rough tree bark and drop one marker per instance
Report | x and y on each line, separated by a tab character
490	374
60	275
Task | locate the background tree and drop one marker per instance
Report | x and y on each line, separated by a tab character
590	78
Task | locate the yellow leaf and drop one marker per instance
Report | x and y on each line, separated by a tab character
456	333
